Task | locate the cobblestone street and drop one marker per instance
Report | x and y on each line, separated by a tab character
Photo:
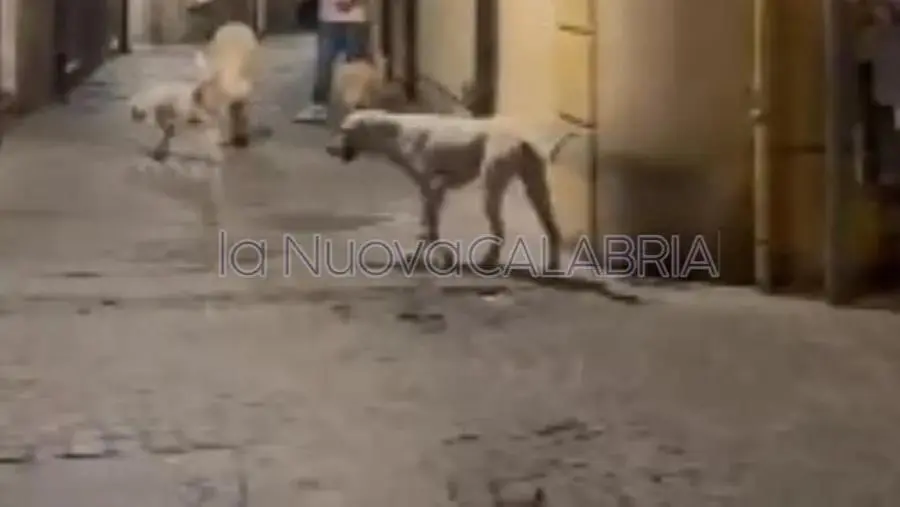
131	373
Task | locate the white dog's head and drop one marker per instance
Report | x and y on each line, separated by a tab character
361	131
140	106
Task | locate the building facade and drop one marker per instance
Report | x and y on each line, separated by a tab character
706	118
48	46
189	21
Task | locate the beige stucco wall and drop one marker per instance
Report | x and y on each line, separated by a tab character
445	47
525	59
139	21
573	74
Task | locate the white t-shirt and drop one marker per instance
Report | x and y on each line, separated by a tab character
329	12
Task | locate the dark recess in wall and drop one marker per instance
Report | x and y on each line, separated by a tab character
287	16
307	16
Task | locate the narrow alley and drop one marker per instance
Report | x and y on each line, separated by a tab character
132	373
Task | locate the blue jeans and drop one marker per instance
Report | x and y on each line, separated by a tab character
352	39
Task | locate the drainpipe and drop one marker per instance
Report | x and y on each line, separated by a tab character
411	69
387	36
762	167
593	145
839	67
375	44
125	37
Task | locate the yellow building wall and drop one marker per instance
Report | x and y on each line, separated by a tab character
445	46
543	73
574	78
666	85
525	59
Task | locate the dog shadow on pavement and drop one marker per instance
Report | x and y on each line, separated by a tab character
522	273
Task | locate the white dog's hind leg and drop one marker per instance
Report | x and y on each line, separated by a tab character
164	116
162	149
432	198
533	172
217	178
212	134
497	176
432	204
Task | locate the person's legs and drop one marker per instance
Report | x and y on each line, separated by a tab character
355	46
356	41
328	46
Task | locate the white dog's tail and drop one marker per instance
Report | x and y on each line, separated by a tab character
559	144
549	145
202	64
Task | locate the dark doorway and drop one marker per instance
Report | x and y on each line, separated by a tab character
124	28
306	15
386	42
410	16
876	137
486	56
60	46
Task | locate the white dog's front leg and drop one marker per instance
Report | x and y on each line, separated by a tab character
433	196
214	139
163	148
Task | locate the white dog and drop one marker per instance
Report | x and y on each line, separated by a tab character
174	106
440	153
229	64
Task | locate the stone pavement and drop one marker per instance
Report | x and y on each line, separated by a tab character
132	374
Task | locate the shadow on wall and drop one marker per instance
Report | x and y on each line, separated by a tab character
664	195
287	16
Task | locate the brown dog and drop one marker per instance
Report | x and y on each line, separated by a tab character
362	84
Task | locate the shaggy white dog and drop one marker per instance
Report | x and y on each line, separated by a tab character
440	153
172	107
229	64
